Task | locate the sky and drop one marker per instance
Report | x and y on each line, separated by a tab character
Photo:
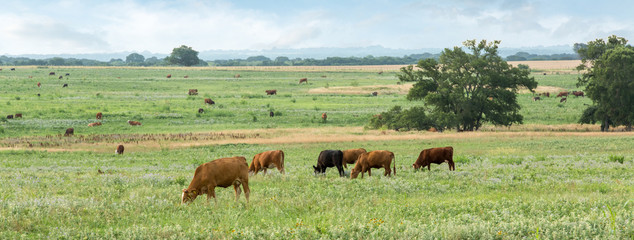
96	26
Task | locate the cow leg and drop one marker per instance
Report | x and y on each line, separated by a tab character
211	193
429	167
452	166
369	172
264	171
388	172
236	187
280	168
247	191
340	168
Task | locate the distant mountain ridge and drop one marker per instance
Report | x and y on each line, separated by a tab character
316	53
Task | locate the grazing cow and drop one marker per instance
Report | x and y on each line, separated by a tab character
51	73
69	132
435	155
380	72
94	124
65	85
544	73
536	99
60	77
38	94
185	76
271	92
265	160
223	172
119	149
373	159
99	116
193	92
350	156
39	84
67	74
577	93
200	110
209	101
563	99
271	114
236	76
432	129
30	76
547	94
303	80
12	69
323	76
18	115
375	93
329	158
169	75
562	94
134	123
9	116
324	116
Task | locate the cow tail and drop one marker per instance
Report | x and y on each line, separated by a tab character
394	161
283	160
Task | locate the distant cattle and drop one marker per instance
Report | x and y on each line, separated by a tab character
350	156
323	76
536	99
577	93
432	129
30	76
236	76
94	124
209	101
266	160
60	77
39	84
435	155
380	72
375	93
99	116
324	116
271	92
69	132
12	69
329	158
200	110
134	123
562	94
18	115
223	172
10	116
51	73
271	114
119	149
67	74
185	76
169	75
303	80
373	159
38	94
65	85
563	99
547	94
193	92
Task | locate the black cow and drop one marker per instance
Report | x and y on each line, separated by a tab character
271	114
65	85
329	158
12	69
67	74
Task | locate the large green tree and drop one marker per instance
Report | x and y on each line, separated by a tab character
184	56
464	90
608	74
134	58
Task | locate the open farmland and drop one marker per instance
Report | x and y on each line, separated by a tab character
549	178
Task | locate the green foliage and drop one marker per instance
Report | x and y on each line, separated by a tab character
608	67
523	67
184	56
614	158
397	119
135	58
467	90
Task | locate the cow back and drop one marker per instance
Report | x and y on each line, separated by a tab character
351	155
221	172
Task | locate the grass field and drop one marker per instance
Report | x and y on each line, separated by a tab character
547	179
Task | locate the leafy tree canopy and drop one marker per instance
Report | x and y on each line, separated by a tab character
184	56
135	58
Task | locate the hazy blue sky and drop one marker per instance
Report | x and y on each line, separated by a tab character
80	26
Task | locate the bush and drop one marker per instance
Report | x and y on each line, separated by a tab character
397	119
614	158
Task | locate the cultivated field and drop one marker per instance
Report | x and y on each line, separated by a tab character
549	178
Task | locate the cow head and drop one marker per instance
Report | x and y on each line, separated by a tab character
415	166
354	173
188	196
317	169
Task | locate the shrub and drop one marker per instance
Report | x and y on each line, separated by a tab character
614	158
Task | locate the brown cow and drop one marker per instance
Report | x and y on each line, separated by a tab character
9	116
134	123
209	101
324	116
435	155
380	72
94	124
18	115
271	92
236	76
200	110
193	92
432	129
577	93
185	76
51	73
563	99
536	99
350	156
39	84
547	94
562	94
119	149
69	132
222	172
373	159
99	116
169	75
375	93
265	160
303	80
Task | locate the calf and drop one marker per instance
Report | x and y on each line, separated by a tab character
119	149
39	84
563	99
169	75
193	92
329	158
271	92
535	99
9	116
200	110
437	156
223	172
94	124
69	132
18	115
265	160
209	101
350	156
99	116
303	80
373	159
134	123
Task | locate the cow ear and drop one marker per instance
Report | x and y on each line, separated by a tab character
184	190
314	167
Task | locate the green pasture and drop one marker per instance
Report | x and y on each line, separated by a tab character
163	106
546	187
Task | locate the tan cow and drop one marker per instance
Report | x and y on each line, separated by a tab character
169	75
223	172
265	160
134	123
99	116
350	156
94	124
271	92
435	155
119	149
193	92
303	80
373	159
236	76
324	116
209	101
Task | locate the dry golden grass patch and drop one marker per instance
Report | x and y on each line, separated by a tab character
381	89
